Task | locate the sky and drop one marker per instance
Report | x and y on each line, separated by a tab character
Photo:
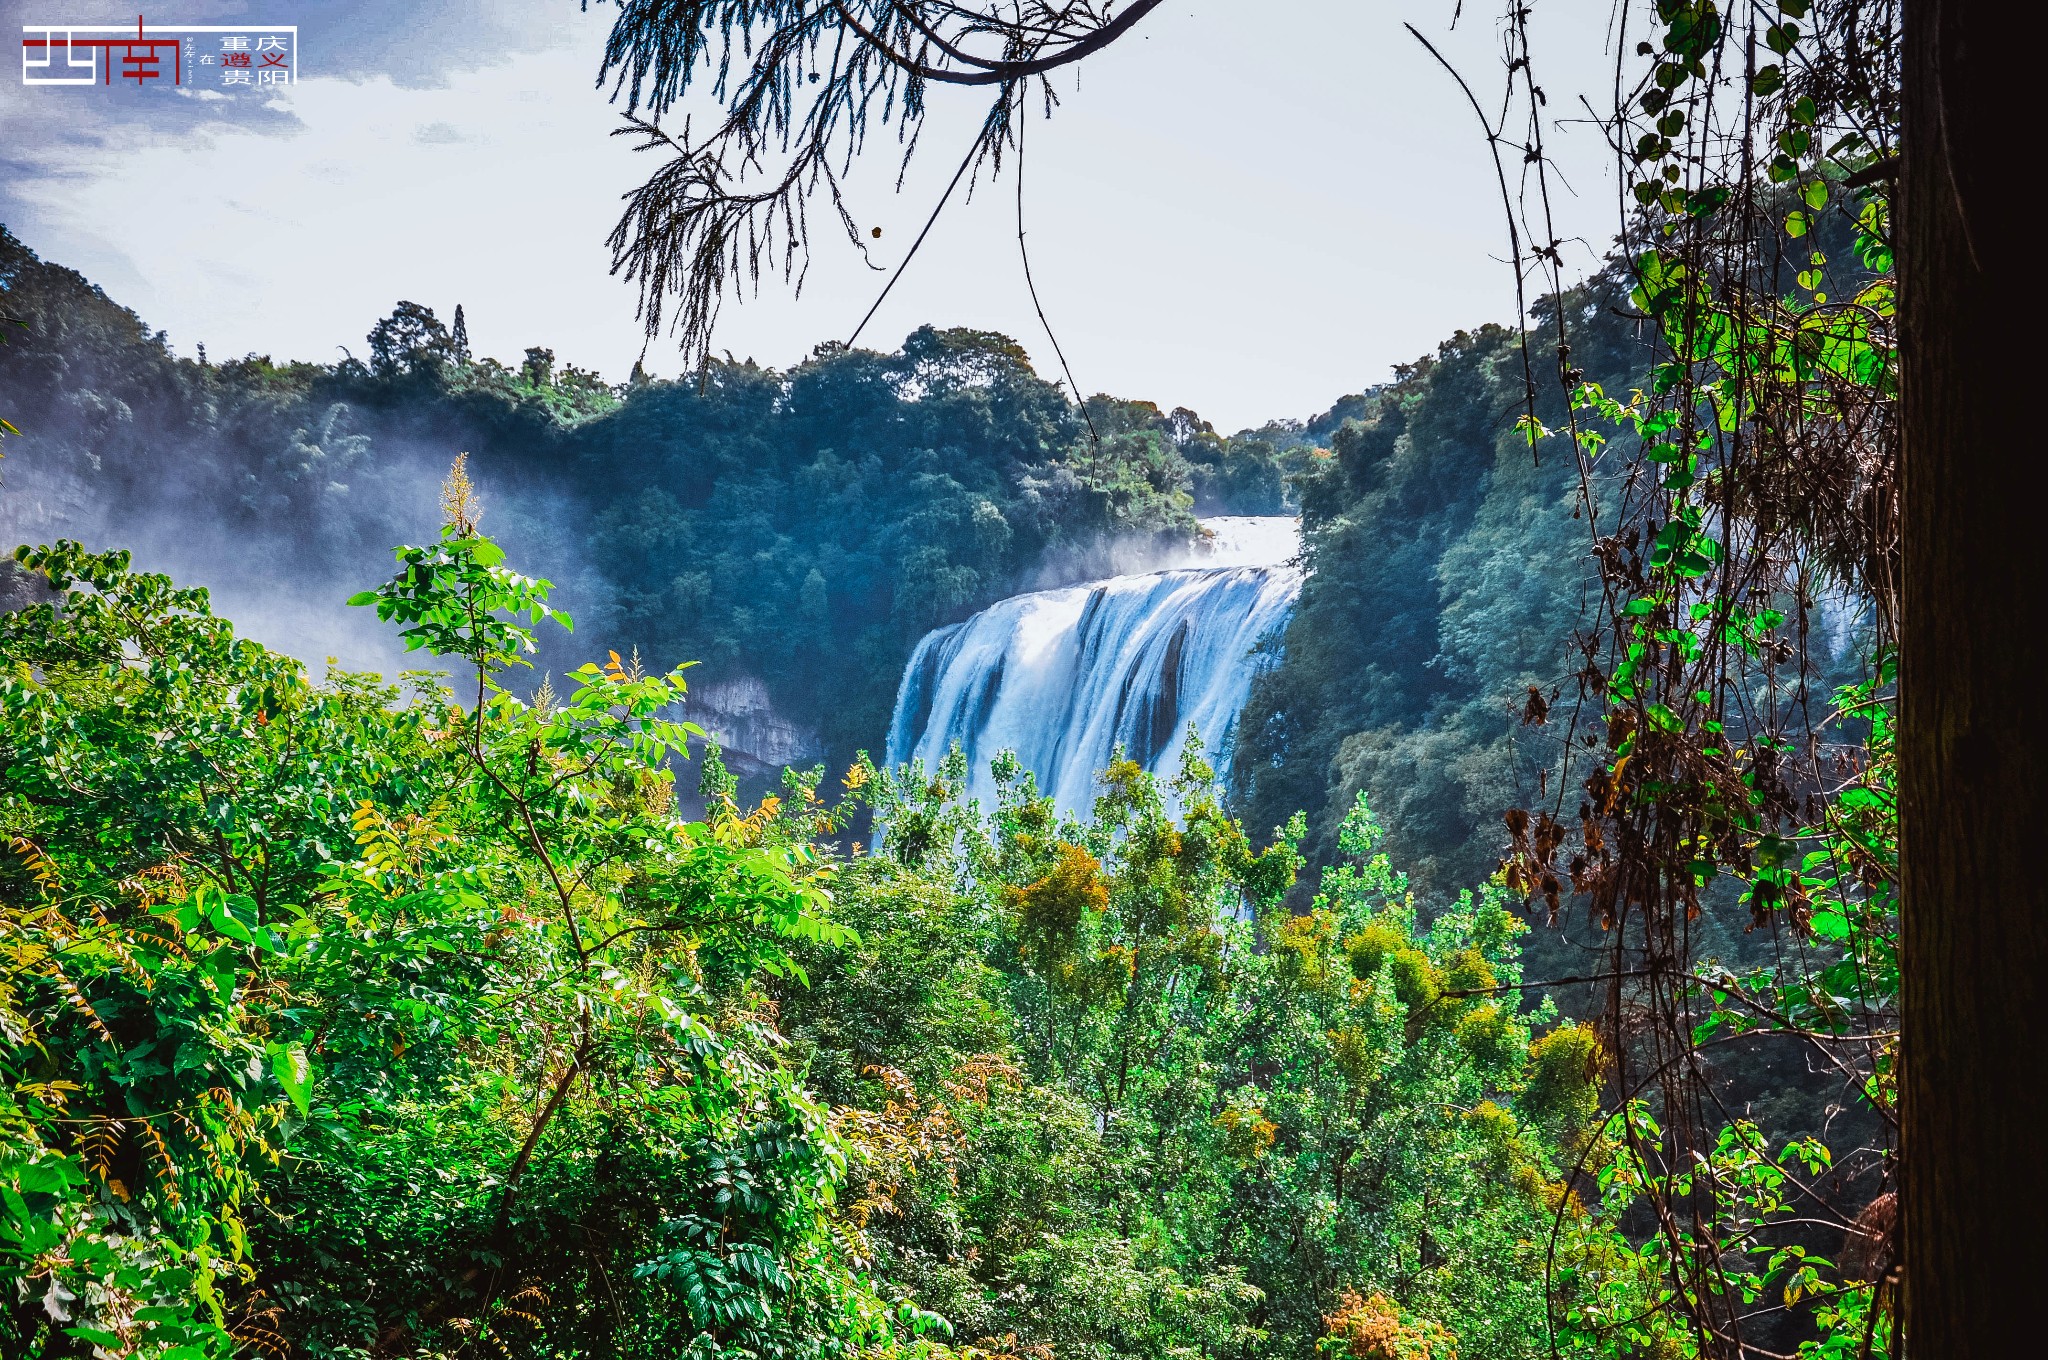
1248	216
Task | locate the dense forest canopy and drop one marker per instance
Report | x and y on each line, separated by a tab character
391	1021
360	1019
800	528
807	528
1115	1087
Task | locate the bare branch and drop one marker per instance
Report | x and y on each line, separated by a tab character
800	84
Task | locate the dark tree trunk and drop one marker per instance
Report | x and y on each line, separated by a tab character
1973	689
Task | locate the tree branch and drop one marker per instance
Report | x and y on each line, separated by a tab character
996	72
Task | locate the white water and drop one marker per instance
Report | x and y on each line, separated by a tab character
1245	541
1062	677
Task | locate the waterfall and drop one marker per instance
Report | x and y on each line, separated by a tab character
1062	677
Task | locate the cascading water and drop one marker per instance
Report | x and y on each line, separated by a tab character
1063	677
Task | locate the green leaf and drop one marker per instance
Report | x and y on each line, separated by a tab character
223	920
103	1339
48	1177
294	1072
1830	925
185	914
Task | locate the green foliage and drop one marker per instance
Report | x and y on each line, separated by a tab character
1247	474
337	1017
809	527
1745	1200
1131	1029
1564	1077
1764	475
343	1018
1445	573
801	528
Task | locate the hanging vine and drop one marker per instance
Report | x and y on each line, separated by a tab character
1744	510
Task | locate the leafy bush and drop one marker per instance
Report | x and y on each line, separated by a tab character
340	1017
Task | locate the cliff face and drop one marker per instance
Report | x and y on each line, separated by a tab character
736	712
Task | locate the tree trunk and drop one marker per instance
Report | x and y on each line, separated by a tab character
1973	763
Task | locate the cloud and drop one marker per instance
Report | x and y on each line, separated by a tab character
178	199
495	190
421	45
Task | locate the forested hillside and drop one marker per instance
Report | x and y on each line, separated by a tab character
1595	949
390	1020
1092	1085
1451	566
802	528
356	1018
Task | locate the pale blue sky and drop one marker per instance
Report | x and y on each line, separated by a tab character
1249	218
